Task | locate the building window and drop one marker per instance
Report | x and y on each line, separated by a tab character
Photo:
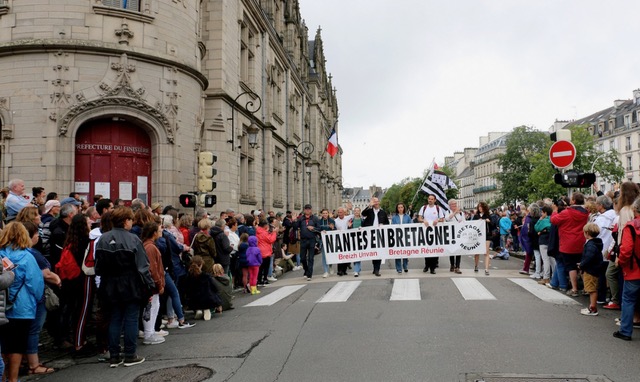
131	5
247	53
629	163
612	144
627	121
627	145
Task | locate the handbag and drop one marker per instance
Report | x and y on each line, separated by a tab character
89	262
51	299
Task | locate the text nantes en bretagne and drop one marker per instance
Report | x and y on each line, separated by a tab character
407	240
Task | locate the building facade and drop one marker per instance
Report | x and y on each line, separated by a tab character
119	98
615	128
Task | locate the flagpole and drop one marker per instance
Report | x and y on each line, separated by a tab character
423	179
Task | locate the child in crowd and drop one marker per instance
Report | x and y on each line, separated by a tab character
202	294
150	233
502	253
223	284
284	260
242	261
254	259
590	266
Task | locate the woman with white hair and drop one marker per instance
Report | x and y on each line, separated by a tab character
455	215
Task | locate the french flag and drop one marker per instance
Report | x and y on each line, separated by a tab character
332	145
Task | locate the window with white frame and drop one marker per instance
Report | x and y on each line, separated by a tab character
627	144
629	163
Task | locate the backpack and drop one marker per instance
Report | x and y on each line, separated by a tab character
636	248
89	260
67	268
424	209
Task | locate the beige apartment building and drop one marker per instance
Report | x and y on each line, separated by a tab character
119	98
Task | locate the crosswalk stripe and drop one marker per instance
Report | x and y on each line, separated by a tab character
276	295
471	289
544	293
340	292
405	290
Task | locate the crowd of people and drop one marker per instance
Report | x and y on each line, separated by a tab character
132	271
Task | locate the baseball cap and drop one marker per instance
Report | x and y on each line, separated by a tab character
307	206
50	204
71	200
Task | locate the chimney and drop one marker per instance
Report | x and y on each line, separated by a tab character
636	96
617	103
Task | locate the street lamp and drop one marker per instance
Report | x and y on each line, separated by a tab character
252	130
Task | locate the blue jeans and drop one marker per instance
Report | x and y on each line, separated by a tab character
402	264
36	328
630	290
171	291
325	266
307	250
559	278
357	266
270	271
124	316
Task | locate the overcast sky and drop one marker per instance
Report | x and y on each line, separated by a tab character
421	79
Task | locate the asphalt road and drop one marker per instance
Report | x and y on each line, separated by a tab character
429	328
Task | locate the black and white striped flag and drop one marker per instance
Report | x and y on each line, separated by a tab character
436	183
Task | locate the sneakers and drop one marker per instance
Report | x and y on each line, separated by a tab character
573	293
588	312
173	324
297	267
278	268
523	272
486	272
185	325
356	274
140	334
162	333
308	278
154	340
636	325
611	306
272	279
325	275
133	360
207	314
535	276
198	315
543	281
115	362
621	336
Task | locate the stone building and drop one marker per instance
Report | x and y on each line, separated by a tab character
615	128
462	164
485	166
119	97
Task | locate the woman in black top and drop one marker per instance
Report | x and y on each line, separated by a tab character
483	214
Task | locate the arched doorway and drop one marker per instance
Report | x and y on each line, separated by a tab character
113	159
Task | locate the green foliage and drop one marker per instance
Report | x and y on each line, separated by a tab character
523	144
527	173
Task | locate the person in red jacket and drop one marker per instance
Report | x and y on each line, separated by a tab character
629	262
570	223
266	236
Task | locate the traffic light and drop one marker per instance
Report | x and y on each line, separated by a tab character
206	172
188	200
574	179
210	200
561	135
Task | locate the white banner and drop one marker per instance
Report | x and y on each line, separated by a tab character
405	240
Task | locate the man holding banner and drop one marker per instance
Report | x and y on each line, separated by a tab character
374	216
430	214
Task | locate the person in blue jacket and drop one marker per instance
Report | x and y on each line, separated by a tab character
24	293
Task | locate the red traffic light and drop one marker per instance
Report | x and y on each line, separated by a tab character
188	200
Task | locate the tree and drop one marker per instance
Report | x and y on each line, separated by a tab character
606	164
523	143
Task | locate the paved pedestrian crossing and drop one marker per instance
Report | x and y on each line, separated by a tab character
470	289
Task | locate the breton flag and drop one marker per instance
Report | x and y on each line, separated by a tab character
436	183
332	145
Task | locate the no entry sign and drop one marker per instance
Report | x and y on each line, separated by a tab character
562	154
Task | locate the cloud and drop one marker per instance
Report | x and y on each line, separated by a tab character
422	79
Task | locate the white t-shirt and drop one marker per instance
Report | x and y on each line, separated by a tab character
457	217
343	224
431	213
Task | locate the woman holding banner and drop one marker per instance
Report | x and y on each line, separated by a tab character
457	216
484	214
401	217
